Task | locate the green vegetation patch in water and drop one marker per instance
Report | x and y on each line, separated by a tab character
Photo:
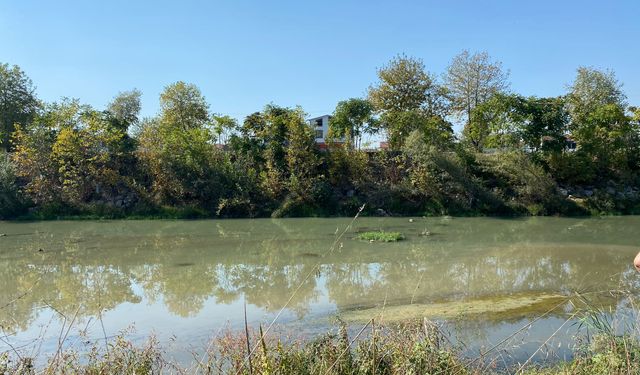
503	307
380	236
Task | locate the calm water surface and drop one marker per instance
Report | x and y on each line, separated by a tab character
184	281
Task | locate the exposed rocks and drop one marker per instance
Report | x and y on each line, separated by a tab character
616	193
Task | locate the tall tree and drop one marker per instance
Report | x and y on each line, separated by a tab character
18	102
271	128
183	105
472	79
591	89
223	127
351	119
406	93
301	157
177	150
125	108
404	85
605	135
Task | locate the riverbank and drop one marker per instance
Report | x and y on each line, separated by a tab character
453	183
414	347
578	202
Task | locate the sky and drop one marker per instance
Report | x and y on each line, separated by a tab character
245	54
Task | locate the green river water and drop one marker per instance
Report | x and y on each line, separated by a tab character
185	281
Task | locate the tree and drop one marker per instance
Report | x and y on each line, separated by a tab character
434	130
182	105
472	79
33	147
497	122
125	108
302	161
88	157
513	121
404	85
635	114
71	154
547	126
177	150
351	119
223	127
405	96
18	102
599	124
591	89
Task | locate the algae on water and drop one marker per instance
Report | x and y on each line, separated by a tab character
380	236
502	306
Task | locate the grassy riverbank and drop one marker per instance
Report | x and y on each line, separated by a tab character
417	347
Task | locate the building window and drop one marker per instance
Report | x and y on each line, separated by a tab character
319	134
319	123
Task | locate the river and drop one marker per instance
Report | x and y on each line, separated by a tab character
184	281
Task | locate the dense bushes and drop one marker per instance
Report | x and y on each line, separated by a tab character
10	202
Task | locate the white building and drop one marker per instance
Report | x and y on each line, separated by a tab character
320	126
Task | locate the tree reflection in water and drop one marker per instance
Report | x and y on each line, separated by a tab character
184	265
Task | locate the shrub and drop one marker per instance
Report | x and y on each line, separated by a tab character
10	203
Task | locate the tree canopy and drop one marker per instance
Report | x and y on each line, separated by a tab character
515	154
18	102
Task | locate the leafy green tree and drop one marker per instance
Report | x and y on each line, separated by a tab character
87	156
223	128
404	85
279	145
351	119
70	154
182	105
592	89
472	79
406	96
513	121
547	124
301	156
177	151
605	135
33	151
433	130
125	109
635	114
271	130
18	102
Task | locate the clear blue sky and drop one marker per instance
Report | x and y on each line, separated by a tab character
245	54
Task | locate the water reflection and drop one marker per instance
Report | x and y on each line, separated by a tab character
86	267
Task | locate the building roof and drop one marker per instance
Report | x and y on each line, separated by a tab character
318	117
